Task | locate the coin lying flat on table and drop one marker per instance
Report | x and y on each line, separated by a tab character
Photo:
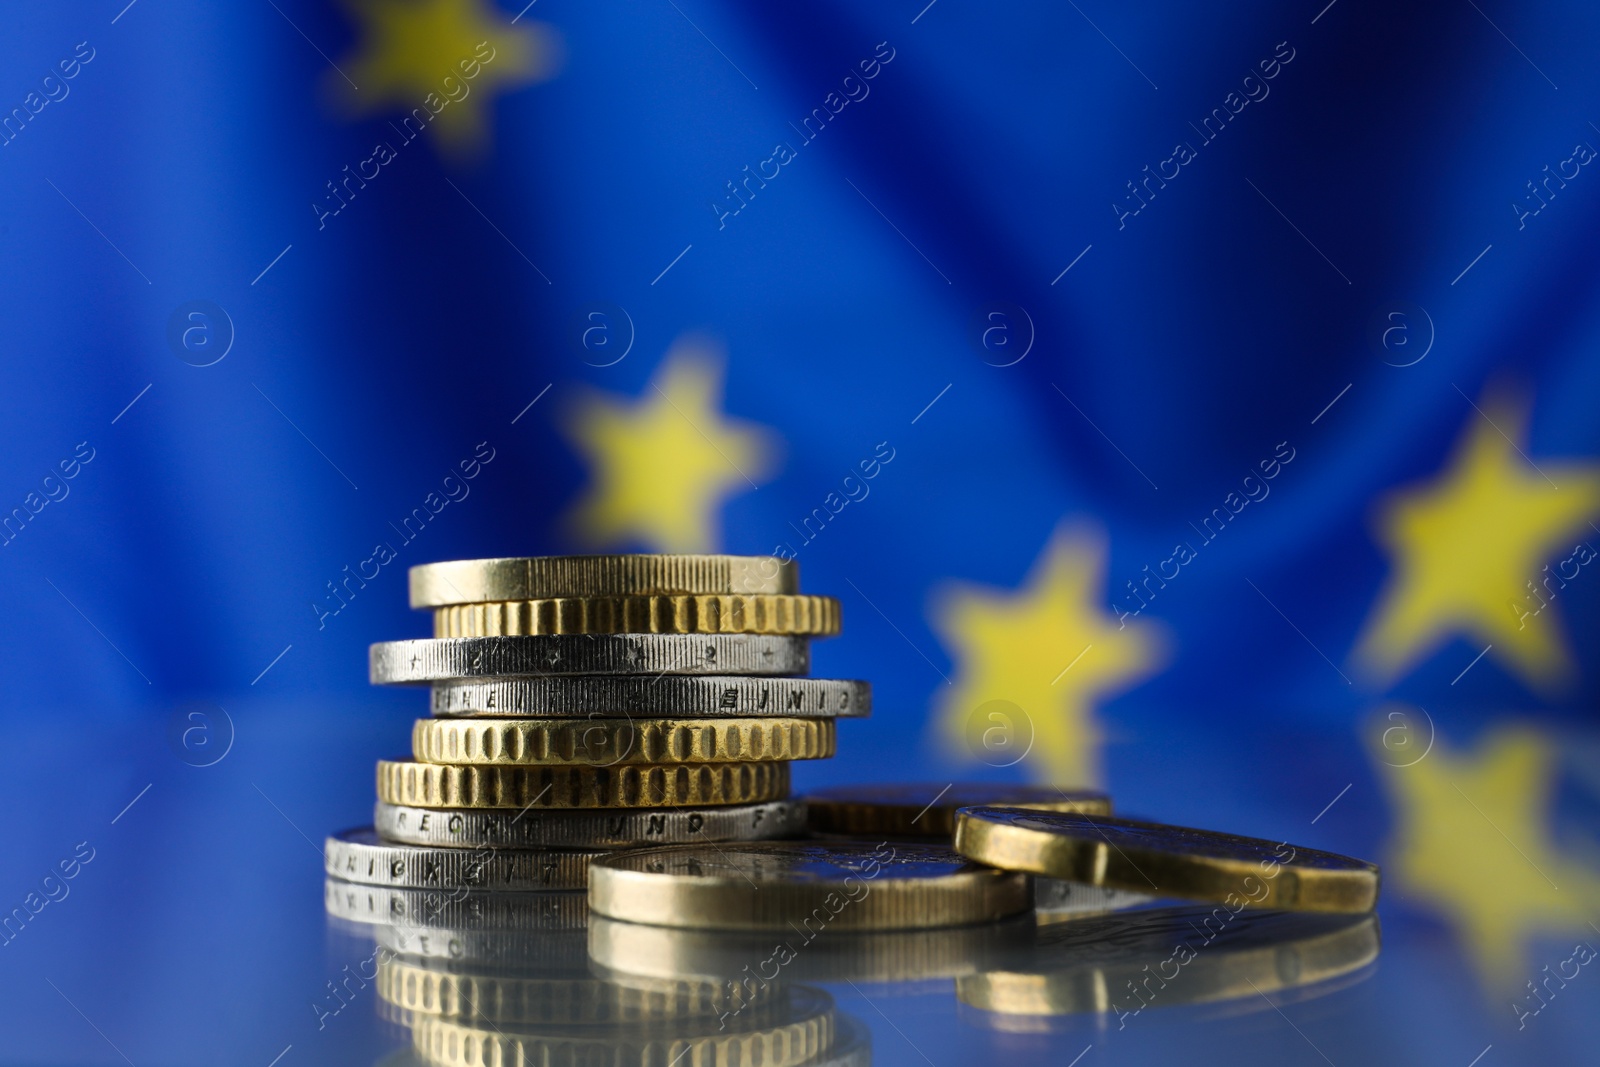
706	613
445	658
609	742
645	785
475	581
619	695
1162	860
362	856
928	809
799	885
610	829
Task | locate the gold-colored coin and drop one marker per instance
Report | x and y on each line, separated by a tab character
609	742
806	887
452	1044
477	581
705	613
1169	861
561	1001
927	810
1164	957
644	785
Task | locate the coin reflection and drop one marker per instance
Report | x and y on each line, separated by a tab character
484	979
1147	960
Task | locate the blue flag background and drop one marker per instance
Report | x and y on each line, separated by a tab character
1196	402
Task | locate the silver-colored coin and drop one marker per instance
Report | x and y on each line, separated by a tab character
363	856
579	829
616	696
455	909
444	658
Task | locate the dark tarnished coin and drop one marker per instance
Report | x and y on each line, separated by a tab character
804	886
620	695
927	810
577	828
437	659
1162	860
362	856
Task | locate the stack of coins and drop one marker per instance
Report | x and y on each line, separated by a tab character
584	704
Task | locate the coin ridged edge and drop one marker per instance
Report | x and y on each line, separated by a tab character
610	742
471	581
705	613
431	785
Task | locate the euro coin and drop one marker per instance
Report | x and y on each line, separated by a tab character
811	887
1168	861
446	658
475	581
800	616
609	742
659	696
927	810
433	785
425	909
612	829
362	856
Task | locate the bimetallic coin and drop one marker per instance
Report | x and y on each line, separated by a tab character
615	696
474	581
645	785
588	829
447	658
803	886
609	742
801	616
927	810
1170	861
420	909
362	856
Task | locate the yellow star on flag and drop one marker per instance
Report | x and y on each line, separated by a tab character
439	62
664	464
1050	649
1471	841
1469	550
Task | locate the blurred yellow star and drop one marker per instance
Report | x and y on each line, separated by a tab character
1471	841
1469	550
1049	649
439	63
664	464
